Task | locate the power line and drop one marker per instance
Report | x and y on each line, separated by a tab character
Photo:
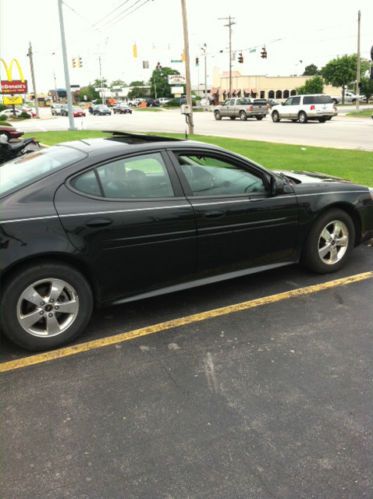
128	11
115	10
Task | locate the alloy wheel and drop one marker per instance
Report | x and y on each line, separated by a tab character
333	242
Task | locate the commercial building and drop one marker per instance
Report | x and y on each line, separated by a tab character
259	86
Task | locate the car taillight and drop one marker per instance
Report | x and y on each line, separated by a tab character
312	108
250	108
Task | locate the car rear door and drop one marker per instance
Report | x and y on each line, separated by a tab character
129	220
239	225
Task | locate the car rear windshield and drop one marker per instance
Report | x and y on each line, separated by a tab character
26	169
317	99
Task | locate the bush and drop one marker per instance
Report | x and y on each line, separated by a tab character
24	116
3	117
2	107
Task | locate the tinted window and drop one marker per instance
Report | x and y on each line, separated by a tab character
317	99
87	183
34	166
295	101
209	176
142	176
288	102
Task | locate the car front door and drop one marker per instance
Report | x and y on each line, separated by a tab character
286	108
293	108
240	225
128	218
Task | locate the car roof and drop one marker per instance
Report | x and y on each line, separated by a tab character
128	143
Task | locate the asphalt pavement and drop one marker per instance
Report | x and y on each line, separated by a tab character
340	132
271	401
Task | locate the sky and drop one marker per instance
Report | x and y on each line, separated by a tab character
294	33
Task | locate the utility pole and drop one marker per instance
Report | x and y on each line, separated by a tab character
358	61
101	80
204	50
30	56
229	26
189	116
66	68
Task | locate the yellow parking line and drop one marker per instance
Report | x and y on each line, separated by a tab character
175	323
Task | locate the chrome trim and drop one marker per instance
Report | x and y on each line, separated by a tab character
289	196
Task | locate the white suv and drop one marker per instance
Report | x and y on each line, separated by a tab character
305	107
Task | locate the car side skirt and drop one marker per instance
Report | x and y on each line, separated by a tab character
200	282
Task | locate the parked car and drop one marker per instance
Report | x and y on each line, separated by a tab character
10	131
101	110
9	113
303	108
164	100
56	109
64	111
242	108
152	102
105	221
78	112
122	108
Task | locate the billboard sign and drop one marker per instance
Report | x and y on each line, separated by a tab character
176	80
12	100
13	87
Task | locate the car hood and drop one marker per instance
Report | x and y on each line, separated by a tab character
301	177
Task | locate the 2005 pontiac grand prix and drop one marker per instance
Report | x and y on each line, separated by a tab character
105	221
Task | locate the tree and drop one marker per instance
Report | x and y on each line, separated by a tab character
311	70
138	92
90	93
100	83
137	83
118	83
341	71
314	85
366	87
159	81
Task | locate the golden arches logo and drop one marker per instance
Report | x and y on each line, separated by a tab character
9	69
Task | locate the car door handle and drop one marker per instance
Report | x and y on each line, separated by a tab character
214	214
99	222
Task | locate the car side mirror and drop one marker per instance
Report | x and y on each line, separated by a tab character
277	186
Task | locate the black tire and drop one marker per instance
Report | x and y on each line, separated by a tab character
217	115
232	118
310	256
328	118
275	117
243	116
259	118
302	117
322	120
27	276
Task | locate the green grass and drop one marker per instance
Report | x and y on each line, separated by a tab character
365	113
151	109
346	163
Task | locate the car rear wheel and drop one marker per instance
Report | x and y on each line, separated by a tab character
232	118
322	120
302	117
243	116
217	115
45	306
275	117
259	118
329	242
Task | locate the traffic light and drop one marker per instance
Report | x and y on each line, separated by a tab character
197	61
75	62
80	62
134	51
263	53
240	58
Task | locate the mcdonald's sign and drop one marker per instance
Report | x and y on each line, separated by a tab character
11	86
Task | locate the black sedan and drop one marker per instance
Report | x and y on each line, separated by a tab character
95	222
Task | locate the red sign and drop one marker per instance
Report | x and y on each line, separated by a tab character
13	87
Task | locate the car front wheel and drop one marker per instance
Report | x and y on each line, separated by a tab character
217	115
329	242
243	116
302	117
45	306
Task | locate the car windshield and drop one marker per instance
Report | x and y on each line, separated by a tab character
26	169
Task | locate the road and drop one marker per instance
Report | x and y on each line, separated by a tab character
341	132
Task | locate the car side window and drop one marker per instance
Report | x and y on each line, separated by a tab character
136	177
288	102
209	176
295	101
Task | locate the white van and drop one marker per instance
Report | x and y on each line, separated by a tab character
302	108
